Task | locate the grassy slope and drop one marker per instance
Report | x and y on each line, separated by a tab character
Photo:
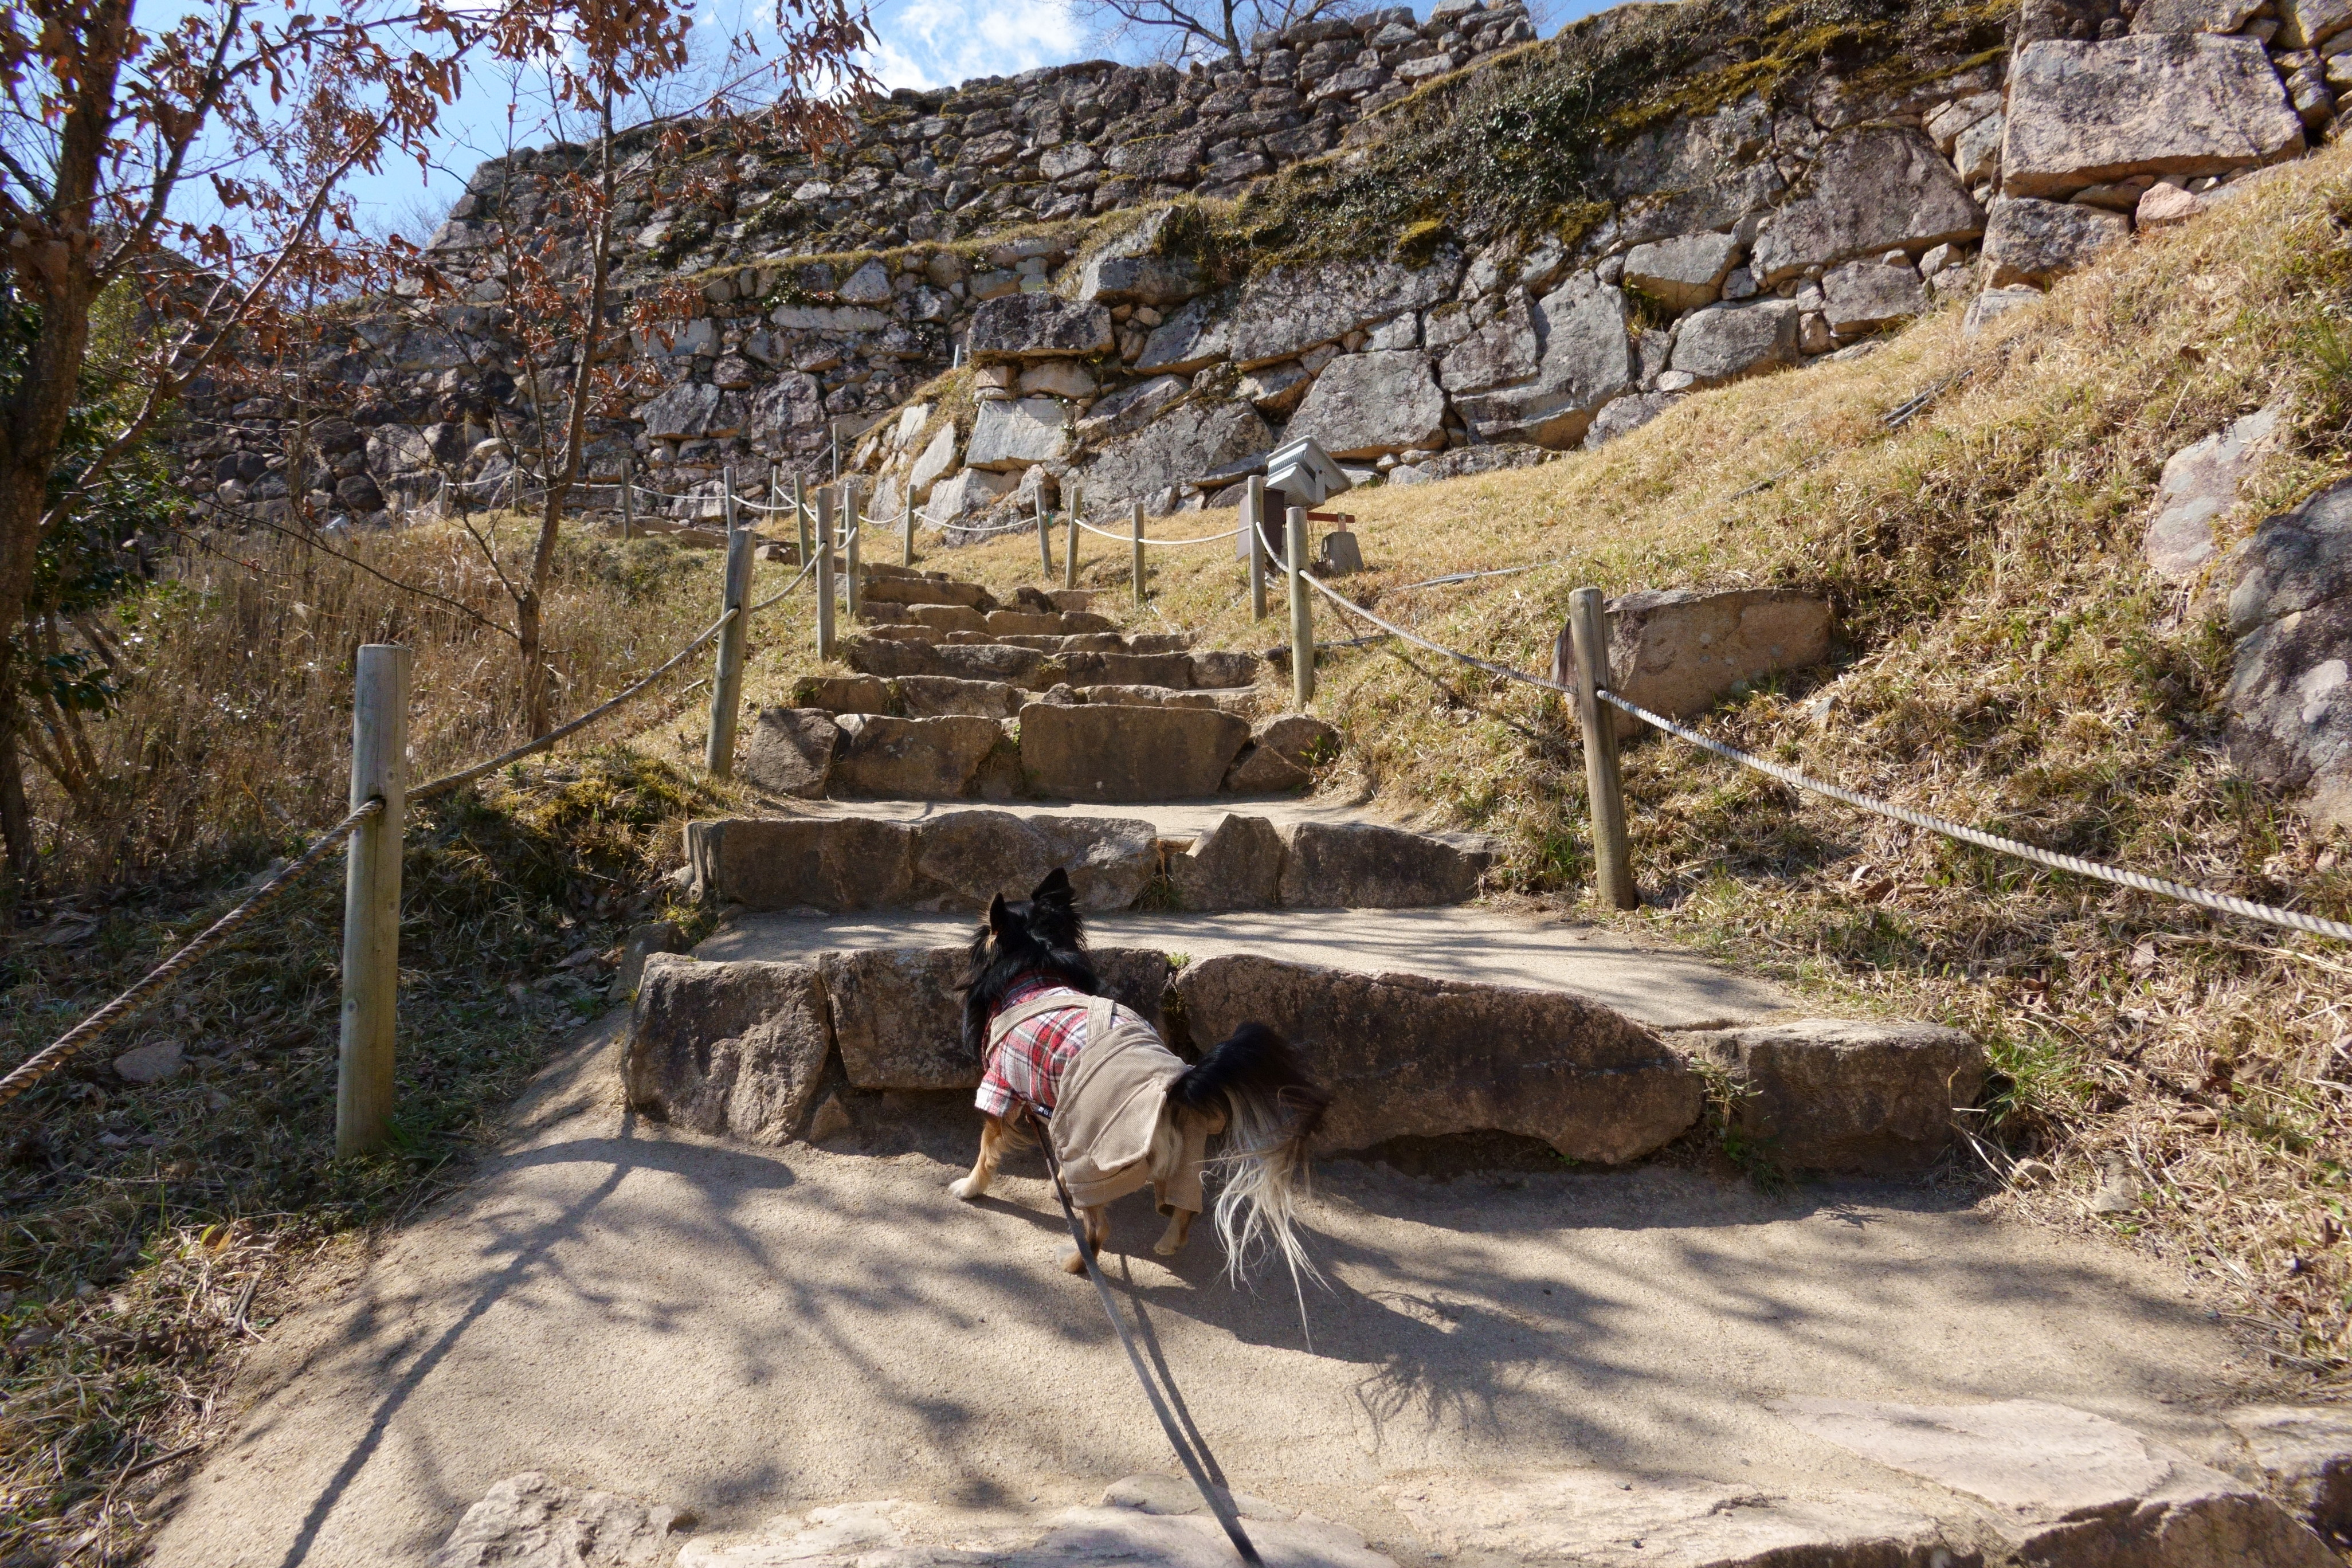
2009	663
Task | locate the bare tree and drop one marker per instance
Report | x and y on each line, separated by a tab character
106	129
1181	29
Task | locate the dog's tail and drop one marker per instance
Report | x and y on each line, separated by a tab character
1271	1111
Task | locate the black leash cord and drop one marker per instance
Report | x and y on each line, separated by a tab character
1221	1503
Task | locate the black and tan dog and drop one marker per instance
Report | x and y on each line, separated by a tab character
1121	1107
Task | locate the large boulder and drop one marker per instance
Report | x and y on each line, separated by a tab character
1014	327
1588	360
1726	342
1684	272
1866	296
910	759
2084	114
2303	1456
1283	752
1627	415
2037	242
1194	337
2308	24
733	1050
898	1015
1097	751
2199	484
1823	1094
1286	310
1675	651
2063	1486
1189	440
533	1518
1873	190
1015	433
937	459
1407	1056
683	413
791	750
968	491
972	856
1136	269
1235	864
2290	693
830	864
1506	351
1370	404
1370	866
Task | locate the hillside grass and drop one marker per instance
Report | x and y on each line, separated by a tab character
2007	661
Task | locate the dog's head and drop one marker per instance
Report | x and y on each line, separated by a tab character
1041	934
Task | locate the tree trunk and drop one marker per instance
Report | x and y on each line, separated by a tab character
16	817
535	704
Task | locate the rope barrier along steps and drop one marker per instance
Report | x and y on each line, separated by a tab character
1198	1463
2220	904
42	1063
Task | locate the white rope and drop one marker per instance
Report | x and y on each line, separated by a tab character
778	595
2223	903
1129	538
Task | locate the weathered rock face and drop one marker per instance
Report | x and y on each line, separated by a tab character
898	1016
822	863
1408	1056
1820	1094
916	759
1016	327
2039	242
1865	297
2065	1486
1365	865
1236	865
790	749
1675	651
1194	439
1142	1524
2304	1458
1588	360
1873	190
2289	694
2083	114
1591	1516
2200	483
1092	751
1727	343
1369	405
1016	433
1134	270
1286	310
533	1518
728	1049
1686	272
976	854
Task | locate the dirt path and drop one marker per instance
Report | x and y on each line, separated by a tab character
741	1331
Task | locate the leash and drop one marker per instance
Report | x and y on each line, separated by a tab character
1200	1466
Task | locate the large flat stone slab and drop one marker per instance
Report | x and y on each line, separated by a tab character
1406	1056
924	759
2084	114
1826	1094
1098	752
964	858
898	1016
1368	866
1676	652
804	863
733	1050
1873	190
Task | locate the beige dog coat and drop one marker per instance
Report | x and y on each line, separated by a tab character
1110	1102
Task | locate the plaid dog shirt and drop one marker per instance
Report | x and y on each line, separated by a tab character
1027	1065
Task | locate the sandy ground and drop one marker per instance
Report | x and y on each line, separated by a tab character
742	1330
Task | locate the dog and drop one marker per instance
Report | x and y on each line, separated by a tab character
1121	1107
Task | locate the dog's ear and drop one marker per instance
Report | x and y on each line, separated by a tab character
1054	890
1000	915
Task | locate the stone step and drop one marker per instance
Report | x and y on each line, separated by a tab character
936	695
962	859
1040	668
998	622
1404	1055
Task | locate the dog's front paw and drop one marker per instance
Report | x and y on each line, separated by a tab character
1072	1262
1165	1247
967	1189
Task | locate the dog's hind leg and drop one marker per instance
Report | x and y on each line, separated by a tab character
1097	1220
994	1134
1179	1230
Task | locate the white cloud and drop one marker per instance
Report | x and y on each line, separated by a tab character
940	43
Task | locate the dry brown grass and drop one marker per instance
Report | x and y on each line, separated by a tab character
2010	664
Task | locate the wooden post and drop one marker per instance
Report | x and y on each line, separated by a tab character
1070	548
801	516
1253	524
1045	542
727	681
372	901
628	499
1302	613
1613	864
825	572
907	523
1135	522
851	550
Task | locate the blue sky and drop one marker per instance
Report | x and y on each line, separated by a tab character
919	43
